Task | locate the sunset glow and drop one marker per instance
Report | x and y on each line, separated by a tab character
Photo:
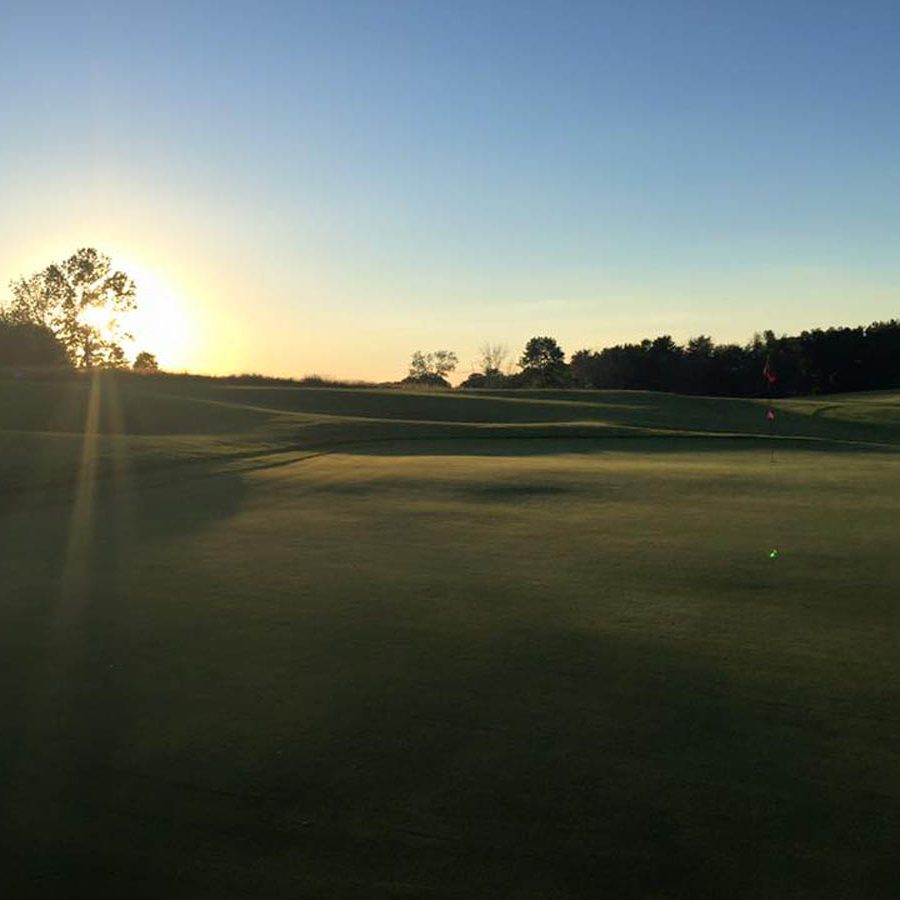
331	190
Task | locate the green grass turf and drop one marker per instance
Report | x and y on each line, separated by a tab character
263	642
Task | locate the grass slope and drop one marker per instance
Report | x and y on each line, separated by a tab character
153	423
266	642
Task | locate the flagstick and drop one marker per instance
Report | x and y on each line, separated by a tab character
769	375
771	431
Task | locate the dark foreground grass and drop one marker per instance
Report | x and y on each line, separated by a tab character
461	668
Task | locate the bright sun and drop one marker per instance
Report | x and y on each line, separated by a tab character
160	324
97	317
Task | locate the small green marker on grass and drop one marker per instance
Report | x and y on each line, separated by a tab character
773	554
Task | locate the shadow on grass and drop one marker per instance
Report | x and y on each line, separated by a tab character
504	444
67	591
350	745
558	763
539	764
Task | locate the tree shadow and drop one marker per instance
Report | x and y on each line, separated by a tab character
531	764
580	766
68	593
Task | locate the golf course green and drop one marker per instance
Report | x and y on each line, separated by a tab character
286	642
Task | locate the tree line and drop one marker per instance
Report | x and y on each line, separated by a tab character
67	315
817	361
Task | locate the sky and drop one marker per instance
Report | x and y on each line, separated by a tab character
327	187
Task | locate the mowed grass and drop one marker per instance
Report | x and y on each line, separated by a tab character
300	653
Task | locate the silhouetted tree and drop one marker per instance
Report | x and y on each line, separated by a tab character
145	362
27	344
883	354
662	358
584	368
474	380
541	353
493	358
66	297
698	366
445	361
431	368
491	362
543	364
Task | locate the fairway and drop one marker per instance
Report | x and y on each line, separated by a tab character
275	642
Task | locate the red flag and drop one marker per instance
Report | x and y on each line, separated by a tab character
769	373
770	415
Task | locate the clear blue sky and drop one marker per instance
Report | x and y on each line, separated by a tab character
330	186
